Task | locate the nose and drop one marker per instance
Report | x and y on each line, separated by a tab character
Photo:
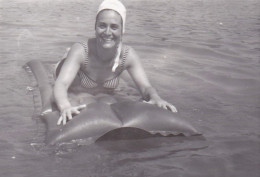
108	31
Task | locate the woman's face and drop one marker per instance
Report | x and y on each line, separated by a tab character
108	28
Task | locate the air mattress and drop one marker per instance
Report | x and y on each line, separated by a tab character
99	121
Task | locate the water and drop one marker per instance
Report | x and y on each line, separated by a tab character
202	56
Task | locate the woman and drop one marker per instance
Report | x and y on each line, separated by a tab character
95	65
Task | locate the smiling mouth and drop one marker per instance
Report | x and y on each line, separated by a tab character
107	40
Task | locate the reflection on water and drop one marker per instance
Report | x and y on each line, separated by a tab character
202	55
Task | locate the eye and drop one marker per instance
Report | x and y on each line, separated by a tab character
102	25
114	26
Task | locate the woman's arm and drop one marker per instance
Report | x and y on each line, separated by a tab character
149	94
66	76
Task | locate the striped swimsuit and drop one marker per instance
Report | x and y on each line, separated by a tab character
110	84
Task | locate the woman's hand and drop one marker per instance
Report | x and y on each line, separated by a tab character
162	104
66	114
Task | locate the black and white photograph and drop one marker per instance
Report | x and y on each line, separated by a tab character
130	88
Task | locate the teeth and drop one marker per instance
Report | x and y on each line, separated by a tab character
107	39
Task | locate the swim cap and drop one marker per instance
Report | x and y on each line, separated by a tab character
116	6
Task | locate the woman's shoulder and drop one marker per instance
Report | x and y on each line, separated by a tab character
131	55
83	43
82	46
129	51
76	52
77	48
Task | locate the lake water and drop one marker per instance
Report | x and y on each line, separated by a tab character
202	55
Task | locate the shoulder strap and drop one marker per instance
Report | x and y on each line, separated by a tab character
85	45
123	57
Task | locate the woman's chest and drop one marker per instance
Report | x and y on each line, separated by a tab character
98	71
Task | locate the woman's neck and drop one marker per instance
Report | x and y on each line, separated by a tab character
105	55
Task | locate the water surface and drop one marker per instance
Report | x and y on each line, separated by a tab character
201	55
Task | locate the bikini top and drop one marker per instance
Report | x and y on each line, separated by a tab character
89	83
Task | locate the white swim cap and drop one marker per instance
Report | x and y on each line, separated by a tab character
116	6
